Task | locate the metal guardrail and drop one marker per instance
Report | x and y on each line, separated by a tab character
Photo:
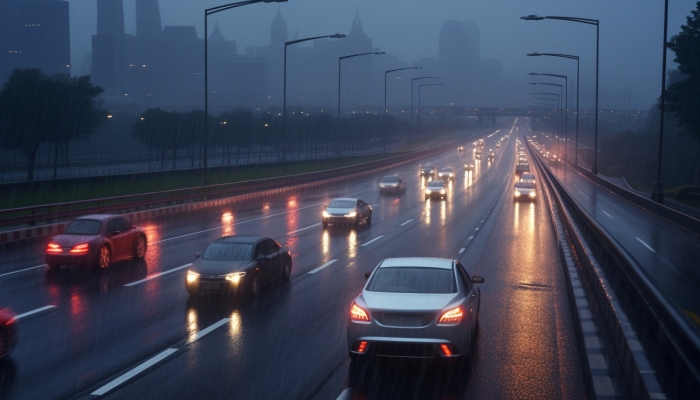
669	342
50	213
683	220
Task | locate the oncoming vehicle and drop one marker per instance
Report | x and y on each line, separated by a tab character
527	177
238	264
447	174
415	307
491	155
435	189
392	184
96	240
469	166
347	211
8	332
460	149
525	191
428	170
478	154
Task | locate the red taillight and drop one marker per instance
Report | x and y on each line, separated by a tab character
53	248
362	347
357	313
446	350
452	316
80	248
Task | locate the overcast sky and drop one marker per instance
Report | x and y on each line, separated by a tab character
630	33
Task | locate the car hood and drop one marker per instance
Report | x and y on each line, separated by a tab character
407	301
67	240
215	267
339	211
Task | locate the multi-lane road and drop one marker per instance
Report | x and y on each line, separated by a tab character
132	332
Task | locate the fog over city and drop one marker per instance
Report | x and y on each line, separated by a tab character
629	45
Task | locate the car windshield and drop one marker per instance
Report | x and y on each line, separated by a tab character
445	170
342	204
390	179
524	185
412	280
435	184
83	227
223	251
528	176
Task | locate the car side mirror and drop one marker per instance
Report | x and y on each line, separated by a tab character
261	257
477	279
367	275
198	254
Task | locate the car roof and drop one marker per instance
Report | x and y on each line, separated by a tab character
446	168
99	217
424	262
436	183
345	198
240	239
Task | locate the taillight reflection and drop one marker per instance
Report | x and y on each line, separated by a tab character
79	248
362	347
359	314
446	350
53	248
452	316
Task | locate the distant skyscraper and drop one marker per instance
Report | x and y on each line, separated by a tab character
275	56
459	55
278	30
148	19
110	17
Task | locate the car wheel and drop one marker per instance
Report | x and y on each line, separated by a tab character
325	224
287	270
104	257
255	285
140	247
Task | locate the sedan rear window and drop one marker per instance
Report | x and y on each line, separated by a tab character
390	179
525	185
412	280
222	251
435	184
83	227
342	204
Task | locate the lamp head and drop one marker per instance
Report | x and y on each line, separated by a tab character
417	67
532	17
534	54
533	73
337	36
379	52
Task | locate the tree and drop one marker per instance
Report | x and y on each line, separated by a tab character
153	130
683	97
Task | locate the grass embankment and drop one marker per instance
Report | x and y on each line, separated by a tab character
68	190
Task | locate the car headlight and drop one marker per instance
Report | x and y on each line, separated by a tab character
427	191
442	191
517	194
235	277
352	214
532	194
440	174
450	173
192	276
325	214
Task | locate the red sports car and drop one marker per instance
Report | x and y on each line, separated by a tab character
96	240
8	332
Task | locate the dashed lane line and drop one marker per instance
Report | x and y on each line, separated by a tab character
407	222
322	266
646	245
22	270
345	395
38	310
206	331
461	250
470	237
132	373
372	241
303	229
158	275
607	214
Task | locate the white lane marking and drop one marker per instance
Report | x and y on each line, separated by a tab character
476	229
207	330
584	194
38	310
130	374
407	222
607	214
158	275
461	250
303	229
21	270
372	241
646	245
322	266
471	237
345	395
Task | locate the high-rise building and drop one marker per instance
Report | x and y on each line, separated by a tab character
34	34
109	53
148	19
459	54
110	17
279	34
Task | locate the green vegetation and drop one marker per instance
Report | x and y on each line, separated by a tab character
67	190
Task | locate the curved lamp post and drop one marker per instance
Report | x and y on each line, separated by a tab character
385	74
419	96
412	81
566	106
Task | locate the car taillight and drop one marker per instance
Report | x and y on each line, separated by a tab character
53	248
357	313
452	316
446	350
80	248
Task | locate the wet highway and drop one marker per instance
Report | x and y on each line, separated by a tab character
131	332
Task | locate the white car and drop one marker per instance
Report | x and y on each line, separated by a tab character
347	211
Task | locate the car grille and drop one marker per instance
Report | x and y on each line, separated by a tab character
403	320
403	350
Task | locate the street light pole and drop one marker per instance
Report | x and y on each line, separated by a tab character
419	97
595	22
561	93
284	90
657	193
413	80
385	74
571	57
551	94
566	106
340	59
207	13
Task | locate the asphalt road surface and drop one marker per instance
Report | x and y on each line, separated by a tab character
131	332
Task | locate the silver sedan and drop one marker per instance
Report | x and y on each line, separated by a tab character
415	307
